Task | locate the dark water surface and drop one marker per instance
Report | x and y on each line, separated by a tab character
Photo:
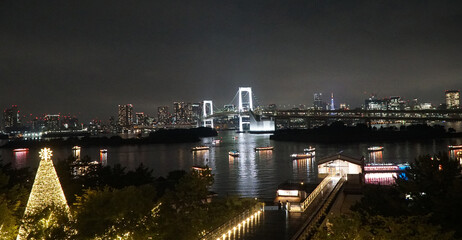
252	174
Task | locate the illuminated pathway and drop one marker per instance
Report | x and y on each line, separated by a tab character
279	224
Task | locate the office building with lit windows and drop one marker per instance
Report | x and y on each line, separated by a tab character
452	99
125	119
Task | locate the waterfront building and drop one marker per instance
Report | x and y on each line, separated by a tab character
340	164
163	116
452	99
125	119
11	118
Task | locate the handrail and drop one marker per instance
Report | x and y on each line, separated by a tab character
308	229
306	203
213	234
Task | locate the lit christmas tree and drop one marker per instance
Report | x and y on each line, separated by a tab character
46	191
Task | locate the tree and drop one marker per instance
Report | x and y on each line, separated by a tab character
109	213
52	222
434	187
357	226
183	212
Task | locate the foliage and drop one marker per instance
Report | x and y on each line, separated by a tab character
13	198
109	213
357	226
50	223
432	187
183	212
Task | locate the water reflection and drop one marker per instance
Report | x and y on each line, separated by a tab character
76	153
20	157
253	174
103	157
376	157
456	154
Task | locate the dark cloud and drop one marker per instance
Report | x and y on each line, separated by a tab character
89	56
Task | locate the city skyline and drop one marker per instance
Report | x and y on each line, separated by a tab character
74	57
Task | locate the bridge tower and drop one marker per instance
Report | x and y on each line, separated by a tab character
245	105
207	110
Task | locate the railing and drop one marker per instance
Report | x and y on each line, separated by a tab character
311	225
243	220
304	205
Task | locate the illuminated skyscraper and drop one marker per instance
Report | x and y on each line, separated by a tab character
52	122
196	111
452	99
125	120
140	118
11	117
163	116
180	111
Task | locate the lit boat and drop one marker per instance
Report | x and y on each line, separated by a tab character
269	148
301	155
310	149
103	151
216	142
200	168
20	149
200	148
234	153
454	147
374	149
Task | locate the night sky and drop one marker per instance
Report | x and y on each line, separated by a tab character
89	56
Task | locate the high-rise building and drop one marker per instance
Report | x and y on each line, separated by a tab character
318	104
373	103
163	116
452	99
196	110
394	103
180	112
125	120
52	122
140	119
11	118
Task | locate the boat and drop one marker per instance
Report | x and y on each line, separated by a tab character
216	141
20	149
200	148
301	155
454	147
375	149
310	149
268	148
103	151
234	153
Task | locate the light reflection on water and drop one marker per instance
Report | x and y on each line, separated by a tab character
252	174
